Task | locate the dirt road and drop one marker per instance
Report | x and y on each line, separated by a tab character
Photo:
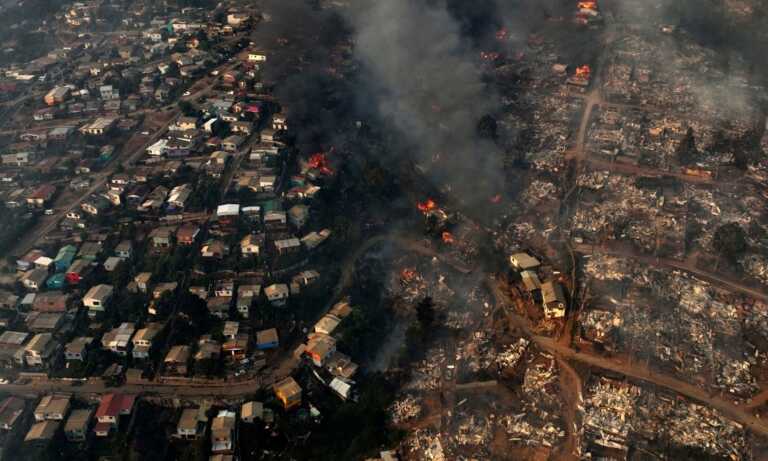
688	266
635	371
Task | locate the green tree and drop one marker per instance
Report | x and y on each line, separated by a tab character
425	313
730	241
687	151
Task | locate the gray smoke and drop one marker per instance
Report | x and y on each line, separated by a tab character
425	80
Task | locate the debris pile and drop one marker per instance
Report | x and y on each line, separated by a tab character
405	409
511	354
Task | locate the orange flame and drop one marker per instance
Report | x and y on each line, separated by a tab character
587	5
448	238
319	161
583	72
407	274
489	55
427	206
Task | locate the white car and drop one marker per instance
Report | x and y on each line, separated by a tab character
187	93
4	381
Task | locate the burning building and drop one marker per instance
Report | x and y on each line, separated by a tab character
581	77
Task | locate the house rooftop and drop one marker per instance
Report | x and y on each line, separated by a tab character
112	405
78	420
56	404
15	338
42	431
267	336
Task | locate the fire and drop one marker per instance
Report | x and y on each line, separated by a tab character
502	34
407	274
448	238
588	5
489	55
496	199
319	161
583	72
427	206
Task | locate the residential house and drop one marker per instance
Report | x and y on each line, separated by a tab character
218	306
277	294
27	261
40	349
215	249
243	305
298	215
64	258
111	407
161	237
95	205
319	348
267	339
97	298
176	360
236	348
90	251
143	281
231	329
42	433
11	408
207	349
41	196
255	56
12	348
242	128
275	219
531	281
267	136
118	340
187	234
179	195
287	246
111	263
288	392
251	411
77	271
124	249
53	407
99	127
144	339
77	349
19	159
162	288
77	425
224	288
57	95
327	324
553	300
52	301
251	244
523	261
184	123
191	424
34	280
44	322
223	433
232	143
307	277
